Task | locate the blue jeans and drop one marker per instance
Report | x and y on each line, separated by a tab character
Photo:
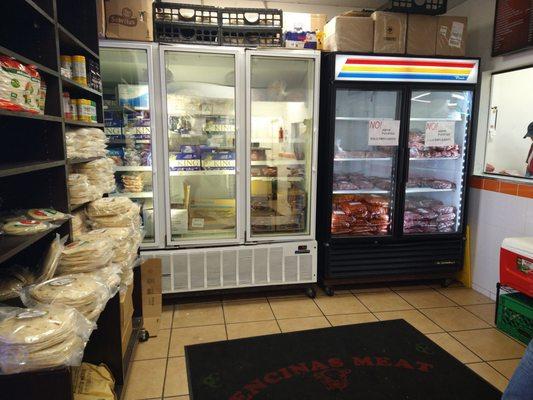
521	384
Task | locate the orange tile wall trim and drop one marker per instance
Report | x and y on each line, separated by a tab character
502	186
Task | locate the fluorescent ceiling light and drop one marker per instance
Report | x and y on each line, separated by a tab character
421	95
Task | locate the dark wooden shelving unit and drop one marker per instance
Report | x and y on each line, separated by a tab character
34	168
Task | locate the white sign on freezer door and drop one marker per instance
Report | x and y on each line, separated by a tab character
383	132
439	134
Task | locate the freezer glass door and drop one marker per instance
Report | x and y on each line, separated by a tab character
126	78
201	142
439	123
367	128
281	124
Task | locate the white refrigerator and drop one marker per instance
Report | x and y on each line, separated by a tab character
238	155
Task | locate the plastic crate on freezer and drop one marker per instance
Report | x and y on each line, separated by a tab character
246	17
515	316
429	7
516	264
251	37
186	23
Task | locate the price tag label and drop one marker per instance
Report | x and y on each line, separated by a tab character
439	134
383	132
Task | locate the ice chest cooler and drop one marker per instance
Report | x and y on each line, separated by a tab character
516	264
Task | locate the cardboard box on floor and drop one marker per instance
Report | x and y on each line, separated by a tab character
421	34
129	19
390	31
451	36
349	32
152	302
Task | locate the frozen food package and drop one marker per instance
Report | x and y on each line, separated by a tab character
51	260
26	227
87	294
41	337
85	256
47	214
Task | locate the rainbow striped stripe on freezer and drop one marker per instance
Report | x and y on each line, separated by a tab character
405	69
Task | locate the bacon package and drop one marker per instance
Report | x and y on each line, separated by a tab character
360	215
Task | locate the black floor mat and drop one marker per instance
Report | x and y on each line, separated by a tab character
374	361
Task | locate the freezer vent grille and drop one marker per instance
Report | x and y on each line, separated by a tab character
227	267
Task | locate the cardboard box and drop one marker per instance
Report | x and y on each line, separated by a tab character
451	36
100	16
344	33
390	31
152	301
126	305
318	21
421	34
129	19
126	334
151	277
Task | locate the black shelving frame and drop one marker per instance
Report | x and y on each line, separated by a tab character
34	169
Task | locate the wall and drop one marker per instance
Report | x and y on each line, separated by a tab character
493	214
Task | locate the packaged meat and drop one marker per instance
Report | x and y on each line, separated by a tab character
411	216
376	200
426	213
439	184
446	217
355	208
444	209
344	198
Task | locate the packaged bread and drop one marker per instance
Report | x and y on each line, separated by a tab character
109	206
26	227
80	189
51	260
13	279
79	223
100	174
41	337
85	256
86	293
47	214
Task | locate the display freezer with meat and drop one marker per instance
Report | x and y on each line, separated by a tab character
394	143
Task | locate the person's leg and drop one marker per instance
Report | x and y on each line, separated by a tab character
521	385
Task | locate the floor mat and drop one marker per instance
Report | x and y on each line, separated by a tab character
374	361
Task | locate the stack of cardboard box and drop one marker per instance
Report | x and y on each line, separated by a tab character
125	19
396	33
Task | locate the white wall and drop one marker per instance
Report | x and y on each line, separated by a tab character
480	15
492	216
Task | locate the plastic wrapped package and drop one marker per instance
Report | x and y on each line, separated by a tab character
100	173
86	143
92	382
20	86
109	206
80	189
133	183
125	242
79	223
47	214
111	276
13	279
51	260
87	294
131	218
26	227
41	337
85	256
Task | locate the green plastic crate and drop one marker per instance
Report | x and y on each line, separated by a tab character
515	316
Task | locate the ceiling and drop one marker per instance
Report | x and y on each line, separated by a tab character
372	4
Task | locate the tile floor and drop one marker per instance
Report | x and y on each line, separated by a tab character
458	319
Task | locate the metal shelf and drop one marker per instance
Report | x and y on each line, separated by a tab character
433	159
25	167
73	85
363	159
12	245
278	178
362	191
122	168
426	190
437	119
139	195
206	172
22	114
40	10
73	161
278	162
83	123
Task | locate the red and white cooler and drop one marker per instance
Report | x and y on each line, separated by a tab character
516	264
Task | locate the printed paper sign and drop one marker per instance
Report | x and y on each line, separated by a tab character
383	132
439	134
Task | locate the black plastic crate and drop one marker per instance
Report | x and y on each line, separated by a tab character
187	33
165	12
246	17
429	7
251	37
